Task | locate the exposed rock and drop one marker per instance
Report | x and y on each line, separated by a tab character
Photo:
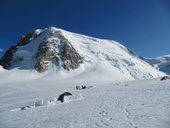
7	59
54	48
70	57
43	57
57	50
27	38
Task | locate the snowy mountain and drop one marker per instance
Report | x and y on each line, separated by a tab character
46	64
67	53
162	63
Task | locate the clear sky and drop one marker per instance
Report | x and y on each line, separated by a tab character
141	25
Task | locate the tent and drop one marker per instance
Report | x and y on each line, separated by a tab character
165	78
61	97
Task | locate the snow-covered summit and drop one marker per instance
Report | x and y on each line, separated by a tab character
76	54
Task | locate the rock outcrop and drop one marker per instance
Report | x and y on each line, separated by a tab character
28	37
53	48
7	59
60	51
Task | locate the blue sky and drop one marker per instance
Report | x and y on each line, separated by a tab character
141	25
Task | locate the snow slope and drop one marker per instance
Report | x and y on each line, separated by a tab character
103	59
162	63
107	104
28	99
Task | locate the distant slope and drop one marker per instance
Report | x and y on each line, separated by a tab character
162	63
73	54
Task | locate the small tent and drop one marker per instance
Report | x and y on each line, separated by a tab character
165	78
61	97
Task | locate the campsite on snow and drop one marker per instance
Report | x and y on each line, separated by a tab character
58	79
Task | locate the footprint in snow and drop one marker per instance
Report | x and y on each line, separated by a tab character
103	113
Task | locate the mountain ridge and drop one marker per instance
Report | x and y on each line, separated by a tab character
63	50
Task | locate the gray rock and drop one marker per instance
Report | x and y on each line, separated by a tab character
59	51
54	48
70	57
7	60
25	39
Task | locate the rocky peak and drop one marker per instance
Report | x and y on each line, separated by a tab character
25	39
57	49
52	47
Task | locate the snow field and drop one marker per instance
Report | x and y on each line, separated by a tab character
135	104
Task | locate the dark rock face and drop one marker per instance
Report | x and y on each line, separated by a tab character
59	51
27	38
71	58
6	60
43	57
54	48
